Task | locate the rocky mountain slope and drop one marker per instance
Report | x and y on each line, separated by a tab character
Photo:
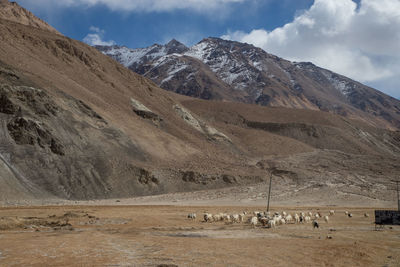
226	70
13	12
75	124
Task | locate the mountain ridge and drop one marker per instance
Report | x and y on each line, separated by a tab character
245	73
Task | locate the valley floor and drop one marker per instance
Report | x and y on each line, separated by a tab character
151	235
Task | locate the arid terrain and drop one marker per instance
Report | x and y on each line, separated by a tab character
99	166
125	235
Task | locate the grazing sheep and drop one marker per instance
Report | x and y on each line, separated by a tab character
319	214
316	215
282	221
289	218
277	220
302	214
235	218
227	217
346	212
256	213
241	217
284	214
366	215
350	215
315	224
216	218
264	221
307	219
310	213
254	221
271	224
208	217
296	218
192	216
331	212
326	218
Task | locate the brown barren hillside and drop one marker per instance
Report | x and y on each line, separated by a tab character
12	11
76	124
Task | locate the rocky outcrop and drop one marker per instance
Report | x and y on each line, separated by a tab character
142	111
200	125
28	132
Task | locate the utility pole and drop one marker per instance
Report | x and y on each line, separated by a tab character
398	194
269	189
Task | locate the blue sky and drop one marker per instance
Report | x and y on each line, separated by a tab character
140	29
357	38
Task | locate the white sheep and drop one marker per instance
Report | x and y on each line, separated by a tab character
208	217
346	212
282	221
192	216
296	218
216	217
366	215
307	219
277	219
254	221
271	224
316	215
241	217
227	217
326	218
331	212
310	213
235	218
284	213
289	218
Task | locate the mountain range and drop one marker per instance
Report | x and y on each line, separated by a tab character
216	69
76	124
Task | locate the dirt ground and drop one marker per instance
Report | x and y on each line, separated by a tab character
157	235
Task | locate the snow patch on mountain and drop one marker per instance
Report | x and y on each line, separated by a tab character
344	87
174	69
128	57
200	50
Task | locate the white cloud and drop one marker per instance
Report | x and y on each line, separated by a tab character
142	5
96	37
360	42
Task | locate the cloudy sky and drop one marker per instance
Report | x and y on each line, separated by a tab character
359	39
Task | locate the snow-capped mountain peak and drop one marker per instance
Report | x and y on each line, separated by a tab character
228	70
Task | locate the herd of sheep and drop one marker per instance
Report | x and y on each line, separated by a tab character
268	219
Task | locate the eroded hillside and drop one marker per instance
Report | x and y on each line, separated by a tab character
76	124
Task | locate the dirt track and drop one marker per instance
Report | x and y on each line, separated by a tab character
153	235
